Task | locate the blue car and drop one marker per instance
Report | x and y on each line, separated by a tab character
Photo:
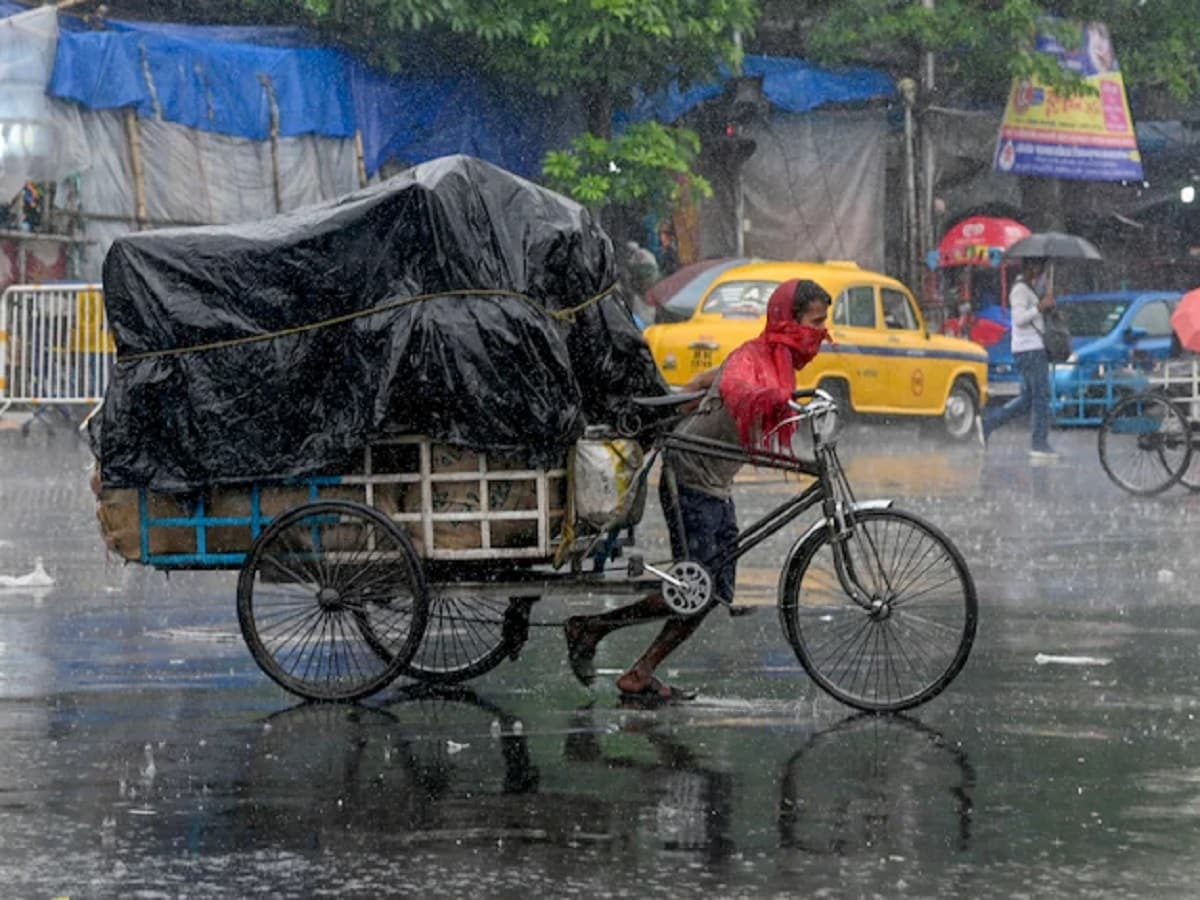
1118	338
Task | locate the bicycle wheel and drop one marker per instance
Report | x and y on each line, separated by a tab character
915	636
1145	444
1190	477
332	601
464	637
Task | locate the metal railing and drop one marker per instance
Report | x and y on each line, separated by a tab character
1087	392
1181	379
55	346
1086	396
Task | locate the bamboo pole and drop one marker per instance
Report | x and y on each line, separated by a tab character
133	136
276	183
360	158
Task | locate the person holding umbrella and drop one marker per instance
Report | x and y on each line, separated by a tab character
1029	358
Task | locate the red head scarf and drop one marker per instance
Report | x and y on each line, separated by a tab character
760	375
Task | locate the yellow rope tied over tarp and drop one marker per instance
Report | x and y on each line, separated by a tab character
562	315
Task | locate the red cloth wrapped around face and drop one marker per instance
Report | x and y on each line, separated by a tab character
760	375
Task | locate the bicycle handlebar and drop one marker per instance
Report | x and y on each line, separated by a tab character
815	394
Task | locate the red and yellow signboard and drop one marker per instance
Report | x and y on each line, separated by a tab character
1089	137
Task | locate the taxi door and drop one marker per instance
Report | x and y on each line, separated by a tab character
854	329
913	381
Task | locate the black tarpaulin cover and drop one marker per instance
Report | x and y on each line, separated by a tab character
422	305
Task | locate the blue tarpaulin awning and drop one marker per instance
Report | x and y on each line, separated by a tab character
790	84
211	85
219	78
215	78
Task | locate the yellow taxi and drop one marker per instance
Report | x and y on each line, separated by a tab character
882	359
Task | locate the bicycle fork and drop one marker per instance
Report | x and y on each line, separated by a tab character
845	534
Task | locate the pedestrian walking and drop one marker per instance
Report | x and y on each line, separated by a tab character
1029	357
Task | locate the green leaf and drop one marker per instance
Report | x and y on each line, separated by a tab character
644	167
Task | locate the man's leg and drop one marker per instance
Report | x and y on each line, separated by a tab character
707	521
592	629
711	525
1039	385
993	419
640	676
583	633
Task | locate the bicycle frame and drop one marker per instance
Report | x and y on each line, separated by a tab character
830	482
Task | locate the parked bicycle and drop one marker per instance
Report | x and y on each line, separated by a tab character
1147	443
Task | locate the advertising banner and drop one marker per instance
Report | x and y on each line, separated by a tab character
1087	137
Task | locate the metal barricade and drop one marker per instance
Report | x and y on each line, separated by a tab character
1181	379
56	349
1083	394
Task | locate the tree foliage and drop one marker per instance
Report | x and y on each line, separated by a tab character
609	47
602	51
647	165
980	45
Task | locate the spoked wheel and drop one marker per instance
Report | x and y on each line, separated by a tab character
1145	444
912	636
1190	478
465	635
332	600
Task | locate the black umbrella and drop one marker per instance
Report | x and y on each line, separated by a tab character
1053	245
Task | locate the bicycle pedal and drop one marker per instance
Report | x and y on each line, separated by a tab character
636	566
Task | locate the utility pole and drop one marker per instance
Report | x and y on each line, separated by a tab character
927	228
739	191
927	149
912	235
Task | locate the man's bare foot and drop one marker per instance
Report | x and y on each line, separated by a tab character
581	649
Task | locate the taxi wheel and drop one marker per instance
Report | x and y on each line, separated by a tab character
962	407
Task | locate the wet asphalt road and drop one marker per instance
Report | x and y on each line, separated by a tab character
143	754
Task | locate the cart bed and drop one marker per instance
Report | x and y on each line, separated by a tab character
455	505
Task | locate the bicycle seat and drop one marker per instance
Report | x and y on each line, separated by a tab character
669	399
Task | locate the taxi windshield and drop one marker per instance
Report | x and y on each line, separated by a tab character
1093	318
740	298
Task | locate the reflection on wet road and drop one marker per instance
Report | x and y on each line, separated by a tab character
143	753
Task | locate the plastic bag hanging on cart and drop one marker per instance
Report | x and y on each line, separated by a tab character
608	491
